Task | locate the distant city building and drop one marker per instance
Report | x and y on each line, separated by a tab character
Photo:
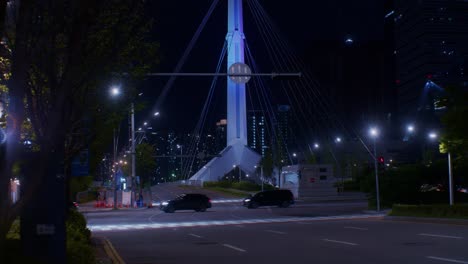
220	135
431	50
283	131
257	132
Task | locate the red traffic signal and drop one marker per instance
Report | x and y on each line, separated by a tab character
381	159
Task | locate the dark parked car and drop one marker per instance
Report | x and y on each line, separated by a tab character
281	198
189	201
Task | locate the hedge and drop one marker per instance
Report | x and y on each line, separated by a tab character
79	249
242	186
436	210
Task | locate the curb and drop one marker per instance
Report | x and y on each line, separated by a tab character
427	220
112	253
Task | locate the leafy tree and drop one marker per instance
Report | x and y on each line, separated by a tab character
454	138
146	163
63	56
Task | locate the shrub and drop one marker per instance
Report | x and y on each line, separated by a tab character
79	249
436	210
246	186
221	184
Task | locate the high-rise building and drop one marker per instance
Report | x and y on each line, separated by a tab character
257	132
431	49
282	137
220	135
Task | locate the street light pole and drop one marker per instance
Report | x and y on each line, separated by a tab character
376	176
132	112
450	177
261	175
115	171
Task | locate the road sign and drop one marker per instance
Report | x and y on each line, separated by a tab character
45	230
80	164
241	69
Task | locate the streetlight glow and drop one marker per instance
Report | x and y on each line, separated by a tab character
410	128
338	140
432	135
374	132
145	123
294	155
115	90
316	145
156	113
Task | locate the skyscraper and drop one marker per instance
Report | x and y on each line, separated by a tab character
282	137
256	132
431	38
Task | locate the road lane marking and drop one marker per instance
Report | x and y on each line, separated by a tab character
157	225
340	242
447	260
357	228
276	232
235	248
441	236
197	236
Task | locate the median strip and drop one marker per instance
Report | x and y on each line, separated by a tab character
276	232
235	248
447	260
441	236
340	242
356	228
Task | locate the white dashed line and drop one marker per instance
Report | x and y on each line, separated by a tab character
276	232
197	236
356	228
235	248
340	242
447	260
441	236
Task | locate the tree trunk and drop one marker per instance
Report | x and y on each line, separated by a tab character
12	149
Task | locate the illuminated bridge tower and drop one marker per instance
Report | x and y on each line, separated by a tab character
236	153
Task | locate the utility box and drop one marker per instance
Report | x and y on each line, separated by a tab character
309	180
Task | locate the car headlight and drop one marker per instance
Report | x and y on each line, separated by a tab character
164	203
247	200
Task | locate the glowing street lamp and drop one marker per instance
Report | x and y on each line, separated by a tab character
374	133
410	128
338	140
432	135
316	145
156	114
115	91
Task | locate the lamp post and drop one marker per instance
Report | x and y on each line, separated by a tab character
374	133
132	150
115	91
114	172
180	147
434	136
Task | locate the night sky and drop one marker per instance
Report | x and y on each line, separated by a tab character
301	22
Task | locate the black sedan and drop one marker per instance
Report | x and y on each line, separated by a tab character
190	201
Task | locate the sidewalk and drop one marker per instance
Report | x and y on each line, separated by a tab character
105	252
90	207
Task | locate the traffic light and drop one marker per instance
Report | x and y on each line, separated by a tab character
381	165
381	160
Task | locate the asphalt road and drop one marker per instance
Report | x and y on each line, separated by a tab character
219	212
333	232
327	241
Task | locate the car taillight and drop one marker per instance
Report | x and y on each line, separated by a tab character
209	200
